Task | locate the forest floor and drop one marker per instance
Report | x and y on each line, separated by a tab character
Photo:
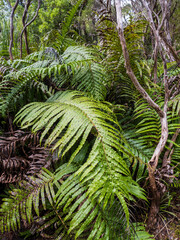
168	227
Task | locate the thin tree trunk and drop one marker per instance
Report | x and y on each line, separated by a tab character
12	29
152	165
27	24
9	3
25	31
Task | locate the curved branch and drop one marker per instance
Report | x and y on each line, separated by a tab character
129	70
166	159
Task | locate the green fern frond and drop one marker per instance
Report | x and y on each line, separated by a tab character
84	114
13	91
149	126
67	207
114	60
68	20
58	39
23	200
174	72
77	67
140	233
175	105
76	117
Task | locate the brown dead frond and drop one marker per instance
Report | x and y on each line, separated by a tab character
21	156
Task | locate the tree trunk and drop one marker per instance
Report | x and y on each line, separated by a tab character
27	24
25	31
156	190
12	29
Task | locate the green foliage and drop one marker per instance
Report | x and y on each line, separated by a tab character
58	38
4	38
114	60
52	14
62	198
76	117
149	126
141	232
99	150
175	105
77	66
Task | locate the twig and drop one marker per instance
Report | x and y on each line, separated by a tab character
165	226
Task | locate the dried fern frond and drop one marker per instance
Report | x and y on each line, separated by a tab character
20	156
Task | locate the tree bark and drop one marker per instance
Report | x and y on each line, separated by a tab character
152	165
27	24
12	29
25	31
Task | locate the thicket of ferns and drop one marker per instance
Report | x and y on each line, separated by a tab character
102	146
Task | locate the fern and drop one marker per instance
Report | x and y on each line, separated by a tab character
68	20
19	207
13	92
58	38
77	67
149	128
75	118
68	209
114	61
141	234
175	105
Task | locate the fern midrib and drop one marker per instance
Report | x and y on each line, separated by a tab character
99	135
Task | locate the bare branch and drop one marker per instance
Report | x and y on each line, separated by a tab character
128	65
152	165
172	51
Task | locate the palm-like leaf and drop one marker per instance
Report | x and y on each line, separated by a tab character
75	118
114	60
82	65
58	38
78	67
149	127
67	208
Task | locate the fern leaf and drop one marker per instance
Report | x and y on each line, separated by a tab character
76	118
